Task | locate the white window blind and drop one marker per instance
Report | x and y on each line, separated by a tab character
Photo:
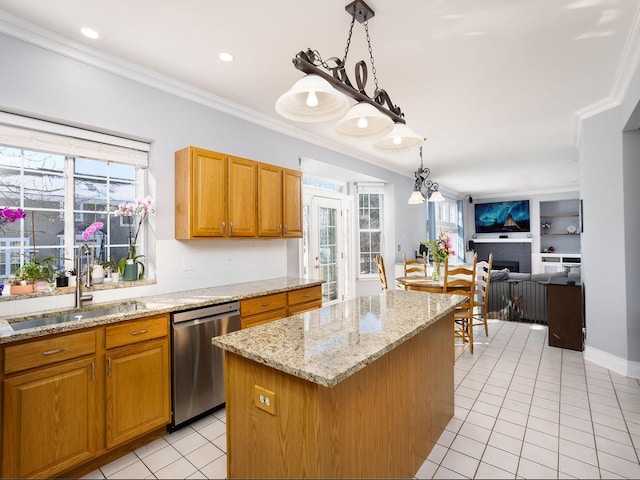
24	132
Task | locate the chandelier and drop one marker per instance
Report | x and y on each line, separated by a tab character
424	188
325	91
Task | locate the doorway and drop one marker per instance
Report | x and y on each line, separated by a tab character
327	243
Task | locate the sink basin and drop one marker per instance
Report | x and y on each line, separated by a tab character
75	315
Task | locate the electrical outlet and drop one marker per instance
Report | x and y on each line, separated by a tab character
229	260
265	399
187	264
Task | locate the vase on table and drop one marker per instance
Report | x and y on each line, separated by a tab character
435	273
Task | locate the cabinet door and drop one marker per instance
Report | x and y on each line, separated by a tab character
200	193
49	419
137	390
242	197
269	201
292	203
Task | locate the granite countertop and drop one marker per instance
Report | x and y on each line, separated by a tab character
327	345
152	305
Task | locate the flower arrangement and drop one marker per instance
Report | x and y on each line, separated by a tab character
439	249
10	215
139	209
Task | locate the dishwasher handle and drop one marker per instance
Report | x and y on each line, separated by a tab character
204	320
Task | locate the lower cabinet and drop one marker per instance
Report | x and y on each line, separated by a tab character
70	398
49	419
138	378
267	308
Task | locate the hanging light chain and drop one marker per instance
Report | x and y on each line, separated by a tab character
373	66
346	48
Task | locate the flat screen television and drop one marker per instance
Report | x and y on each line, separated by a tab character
501	217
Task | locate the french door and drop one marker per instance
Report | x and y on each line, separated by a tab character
327	237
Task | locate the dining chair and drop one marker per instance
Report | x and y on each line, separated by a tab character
415	266
481	301
461	280
382	272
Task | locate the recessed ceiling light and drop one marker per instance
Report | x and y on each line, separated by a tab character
225	57
89	32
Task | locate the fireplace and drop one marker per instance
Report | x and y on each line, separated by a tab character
512	254
512	265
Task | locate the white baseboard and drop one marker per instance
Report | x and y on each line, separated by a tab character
619	365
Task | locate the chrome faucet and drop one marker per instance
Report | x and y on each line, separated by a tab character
80	297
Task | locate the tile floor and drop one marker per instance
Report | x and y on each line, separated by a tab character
523	410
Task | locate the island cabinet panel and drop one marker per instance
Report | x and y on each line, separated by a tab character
49	419
382	421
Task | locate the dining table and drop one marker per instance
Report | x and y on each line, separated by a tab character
420	283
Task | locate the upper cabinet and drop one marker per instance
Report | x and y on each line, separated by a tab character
218	195
292	201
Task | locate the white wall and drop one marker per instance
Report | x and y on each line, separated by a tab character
609	178
51	86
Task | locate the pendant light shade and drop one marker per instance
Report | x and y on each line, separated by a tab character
401	138
363	122
436	197
312	99
415	198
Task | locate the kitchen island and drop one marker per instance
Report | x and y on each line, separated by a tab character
362	388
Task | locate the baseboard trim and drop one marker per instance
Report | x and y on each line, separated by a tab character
617	364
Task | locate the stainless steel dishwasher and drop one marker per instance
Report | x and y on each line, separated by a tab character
197	367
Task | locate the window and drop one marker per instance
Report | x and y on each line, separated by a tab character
370	202
62	194
448	220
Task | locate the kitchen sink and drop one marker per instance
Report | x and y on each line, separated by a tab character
74	315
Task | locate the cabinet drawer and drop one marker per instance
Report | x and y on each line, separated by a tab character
48	350
135	331
304	295
253	320
304	307
262	304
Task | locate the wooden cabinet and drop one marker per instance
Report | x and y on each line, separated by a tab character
270	198
263	309
292	203
266	308
49	412
70	398
304	299
138	378
565	319
200	193
218	195
279	202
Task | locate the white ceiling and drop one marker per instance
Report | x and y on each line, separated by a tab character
494	85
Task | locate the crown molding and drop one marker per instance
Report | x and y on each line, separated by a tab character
627	68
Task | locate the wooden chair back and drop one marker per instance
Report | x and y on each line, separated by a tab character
481	302
415	266
461	280
382	272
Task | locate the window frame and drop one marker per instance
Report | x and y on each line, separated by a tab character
370	189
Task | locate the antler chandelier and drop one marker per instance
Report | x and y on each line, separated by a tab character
323	94
424	188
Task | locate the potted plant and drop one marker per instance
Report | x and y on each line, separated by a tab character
39	274
131	268
61	279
